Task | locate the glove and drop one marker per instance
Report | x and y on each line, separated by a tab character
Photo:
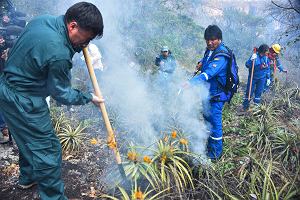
253	57
268	82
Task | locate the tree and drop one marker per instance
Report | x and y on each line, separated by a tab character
287	13
242	31
156	25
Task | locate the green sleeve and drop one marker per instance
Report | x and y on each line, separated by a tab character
59	84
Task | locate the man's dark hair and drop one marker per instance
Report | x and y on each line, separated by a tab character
263	49
212	32
87	16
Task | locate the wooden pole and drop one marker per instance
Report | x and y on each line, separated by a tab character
251	78
111	140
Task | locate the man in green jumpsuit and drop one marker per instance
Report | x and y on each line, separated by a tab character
39	65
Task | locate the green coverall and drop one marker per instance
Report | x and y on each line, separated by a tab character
39	65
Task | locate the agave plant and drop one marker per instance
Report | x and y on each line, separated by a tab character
71	138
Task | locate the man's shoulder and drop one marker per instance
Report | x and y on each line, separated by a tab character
222	51
159	57
41	20
45	30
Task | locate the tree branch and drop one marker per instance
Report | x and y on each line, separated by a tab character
287	8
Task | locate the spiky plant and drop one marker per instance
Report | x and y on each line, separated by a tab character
136	193
262	124
286	147
259	134
265	112
176	138
287	99
59	119
71	138
295	93
294	126
139	167
257	179
263	184
172	168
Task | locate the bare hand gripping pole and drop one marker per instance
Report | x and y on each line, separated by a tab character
111	140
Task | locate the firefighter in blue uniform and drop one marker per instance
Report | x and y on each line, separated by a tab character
213	71
166	66
39	65
261	75
165	61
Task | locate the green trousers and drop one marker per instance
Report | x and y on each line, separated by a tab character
40	157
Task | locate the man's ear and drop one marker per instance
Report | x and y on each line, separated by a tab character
72	25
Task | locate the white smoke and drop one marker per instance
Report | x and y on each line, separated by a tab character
136	98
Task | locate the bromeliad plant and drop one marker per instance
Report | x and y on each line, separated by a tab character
262	124
59	119
70	135
167	165
169	162
265	113
71	138
136	193
263	185
286	147
138	167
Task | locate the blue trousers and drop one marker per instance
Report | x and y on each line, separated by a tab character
213	115
258	86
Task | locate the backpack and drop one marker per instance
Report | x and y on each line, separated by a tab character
232	77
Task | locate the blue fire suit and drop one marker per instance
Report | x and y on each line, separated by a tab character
167	66
260	75
214	72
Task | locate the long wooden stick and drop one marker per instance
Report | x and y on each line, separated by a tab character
111	141
251	78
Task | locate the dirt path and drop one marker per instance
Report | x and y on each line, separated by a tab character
80	175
